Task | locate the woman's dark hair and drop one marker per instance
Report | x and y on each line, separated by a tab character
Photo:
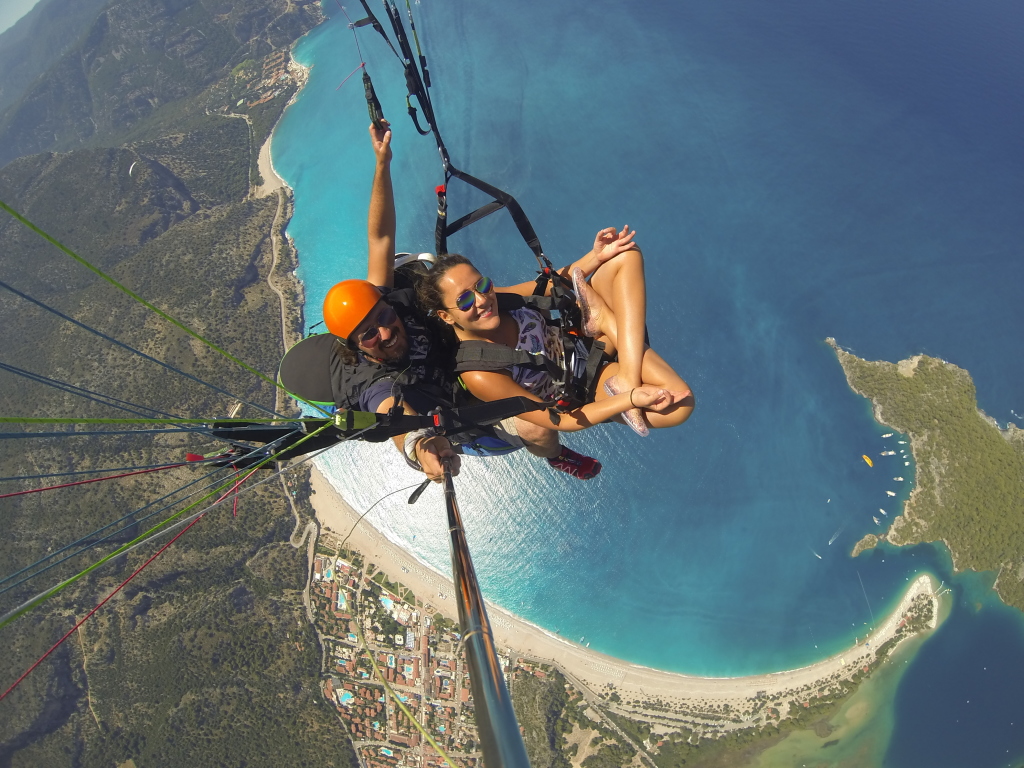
428	291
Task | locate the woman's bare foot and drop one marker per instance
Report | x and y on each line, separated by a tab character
591	304
634	417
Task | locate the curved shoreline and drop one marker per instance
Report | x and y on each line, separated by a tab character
272	180
593	669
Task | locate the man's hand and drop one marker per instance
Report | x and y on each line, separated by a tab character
381	138
430	451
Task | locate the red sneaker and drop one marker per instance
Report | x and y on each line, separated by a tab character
576	464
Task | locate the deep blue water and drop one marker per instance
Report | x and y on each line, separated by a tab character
959	703
795	170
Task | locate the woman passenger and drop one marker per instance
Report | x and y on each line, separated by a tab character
638	387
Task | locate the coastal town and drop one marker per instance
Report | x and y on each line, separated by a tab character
380	640
394	670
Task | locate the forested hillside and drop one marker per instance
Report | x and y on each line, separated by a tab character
207	657
35	42
137	57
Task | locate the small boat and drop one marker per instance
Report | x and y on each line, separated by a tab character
876	520
868	460
891	493
887	434
888	453
906	463
899	479
835	535
882	511
816	554
902	442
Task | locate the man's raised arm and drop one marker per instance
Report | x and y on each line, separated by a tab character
381	224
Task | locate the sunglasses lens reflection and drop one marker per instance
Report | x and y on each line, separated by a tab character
465	300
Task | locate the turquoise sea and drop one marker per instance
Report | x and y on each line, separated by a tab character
795	170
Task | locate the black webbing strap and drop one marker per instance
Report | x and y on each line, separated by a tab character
443	421
488	356
501	199
417	81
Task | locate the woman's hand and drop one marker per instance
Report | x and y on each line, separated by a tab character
609	243
656	399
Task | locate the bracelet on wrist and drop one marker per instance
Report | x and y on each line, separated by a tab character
409	447
631	397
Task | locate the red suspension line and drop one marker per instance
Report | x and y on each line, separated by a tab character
101	604
94	480
123	584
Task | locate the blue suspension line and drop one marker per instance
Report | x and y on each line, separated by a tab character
114	341
95	433
271	446
88	536
99	397
86	472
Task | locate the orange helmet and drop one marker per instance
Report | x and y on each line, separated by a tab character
347	304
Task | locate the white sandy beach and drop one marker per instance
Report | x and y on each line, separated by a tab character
590	667
271	181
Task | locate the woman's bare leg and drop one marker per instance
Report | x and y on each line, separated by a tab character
656	373
621	285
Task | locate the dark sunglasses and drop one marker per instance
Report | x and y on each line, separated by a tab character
465	300
371	335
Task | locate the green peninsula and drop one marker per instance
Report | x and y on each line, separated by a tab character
969	489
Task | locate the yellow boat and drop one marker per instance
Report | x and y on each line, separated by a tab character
868	460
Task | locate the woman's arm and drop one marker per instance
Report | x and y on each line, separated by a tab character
493	385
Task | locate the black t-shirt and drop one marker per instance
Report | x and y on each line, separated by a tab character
419	367
320	369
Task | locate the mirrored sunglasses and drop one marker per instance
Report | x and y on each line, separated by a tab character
465	300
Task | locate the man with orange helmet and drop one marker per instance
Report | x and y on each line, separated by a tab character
382	352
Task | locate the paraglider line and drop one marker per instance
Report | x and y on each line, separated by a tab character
121	344
136	522
95	543
872	613
378	501
93	480
98	397
361	65
82	472
129	292
44	596
103	602
97	433
351	26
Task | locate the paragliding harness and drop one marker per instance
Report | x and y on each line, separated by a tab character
320	370
463	426
575	376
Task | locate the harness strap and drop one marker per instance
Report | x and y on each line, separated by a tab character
417	84
500	200
488	356
575	384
